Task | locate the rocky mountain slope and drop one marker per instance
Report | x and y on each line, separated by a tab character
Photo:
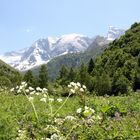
43	50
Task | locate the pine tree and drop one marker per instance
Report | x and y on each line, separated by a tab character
63	78
63	72
83	74
29	78
43	76
71	75
91	66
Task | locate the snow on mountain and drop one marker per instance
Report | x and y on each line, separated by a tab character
114	33
43	50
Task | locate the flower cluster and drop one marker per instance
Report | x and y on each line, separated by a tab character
76	87
86	112
21	135
54	137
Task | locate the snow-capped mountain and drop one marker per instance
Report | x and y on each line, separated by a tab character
114	33
43	50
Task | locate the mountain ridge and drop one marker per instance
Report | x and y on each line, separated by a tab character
43	50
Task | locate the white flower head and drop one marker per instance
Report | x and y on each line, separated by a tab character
51	99
81	89
27	90
30	99
79	110
12	89
70	118
45	95
92	110
37	93
69	86
38	89
59	100
84	87
23	83
86	108
19	91
72	91
72	83
31	89
78	84
43	100
32	93
44	89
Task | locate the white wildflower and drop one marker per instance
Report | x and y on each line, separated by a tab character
31	89
84	87
27	90
79	110
59	100
92	110
43	100
44	89
38	89
16	87
86	108
51	99
19	91
21	87
32	93
70	118
78	84
37	93
45	95
69	86
12	89
72	91
81	89
30	99
23	83
72	83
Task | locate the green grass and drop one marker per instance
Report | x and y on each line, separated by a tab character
16	113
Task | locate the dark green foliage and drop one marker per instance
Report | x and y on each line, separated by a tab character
29	78
43	76
5	82
9	74
121	62
72	75
91	66
102	84
83	75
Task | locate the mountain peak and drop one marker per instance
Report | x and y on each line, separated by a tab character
114	33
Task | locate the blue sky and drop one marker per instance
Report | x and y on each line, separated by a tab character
24	21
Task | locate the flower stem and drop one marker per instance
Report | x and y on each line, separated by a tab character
62	104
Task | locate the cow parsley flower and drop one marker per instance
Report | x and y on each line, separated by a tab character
30	99
43	100
51	99
31	89
59	100
79	110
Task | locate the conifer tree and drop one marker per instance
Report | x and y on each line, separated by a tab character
71	75
43	76
83	75
29	78
91	66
